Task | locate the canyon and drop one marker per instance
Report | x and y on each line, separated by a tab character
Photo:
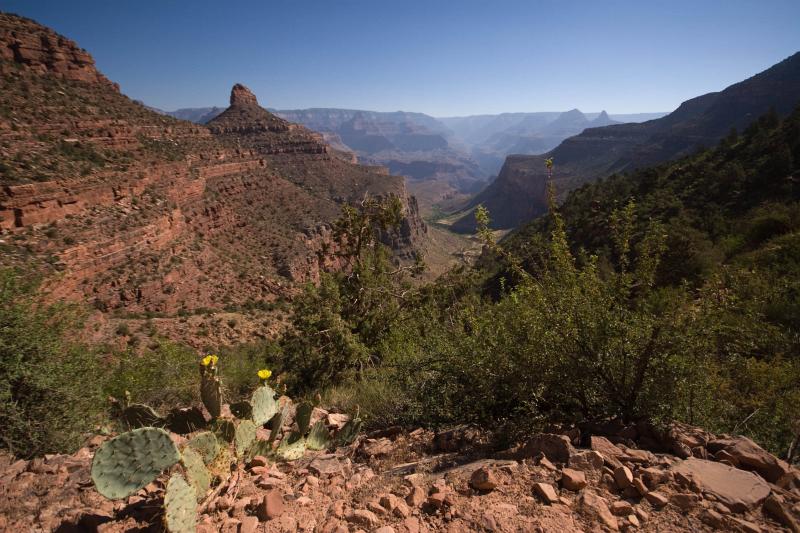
137	212
518	194
444	160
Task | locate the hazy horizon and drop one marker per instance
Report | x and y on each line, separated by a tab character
517	112
434	58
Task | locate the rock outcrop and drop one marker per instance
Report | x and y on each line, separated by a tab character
26	44
242	96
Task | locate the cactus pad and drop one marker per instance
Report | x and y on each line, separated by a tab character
318	438
211	391
259	447
138	415
264	405
206	444
245	436
224	429
348	433
196	472
276	424
180	506
129	461
293	451
242	409
303	416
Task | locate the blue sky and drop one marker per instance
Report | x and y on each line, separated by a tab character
439	57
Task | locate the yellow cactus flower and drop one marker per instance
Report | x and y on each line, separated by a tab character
210	360
264	373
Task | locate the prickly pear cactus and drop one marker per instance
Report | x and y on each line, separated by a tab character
206	444
196	472
276	423
264	405
210	390
245	436
137	415
259	447
318	438
348	433
180	506
224	429
303	416
129	461
242	409
291	451
184	421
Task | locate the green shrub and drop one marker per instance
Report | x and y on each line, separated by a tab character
163	378
48	403
165	375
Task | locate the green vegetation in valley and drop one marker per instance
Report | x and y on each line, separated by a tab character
670	293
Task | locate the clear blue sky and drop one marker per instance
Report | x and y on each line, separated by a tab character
435	56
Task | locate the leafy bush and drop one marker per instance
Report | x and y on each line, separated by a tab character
47	404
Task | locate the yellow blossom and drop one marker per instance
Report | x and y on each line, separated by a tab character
264	373
210	360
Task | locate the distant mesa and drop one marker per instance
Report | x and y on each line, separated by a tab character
242	96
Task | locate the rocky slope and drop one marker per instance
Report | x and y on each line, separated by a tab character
138	212
517	195
419	481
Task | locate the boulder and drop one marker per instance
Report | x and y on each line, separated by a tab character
377	447
597	507
653	477
573	479
656	499
364	518
748	455
338	420
483	479
611	454
271	506
621	508
416	497
713	519
546	492
623	477
681	439
586	460
736	488
326	465
775	508
639	486
555	447
684	501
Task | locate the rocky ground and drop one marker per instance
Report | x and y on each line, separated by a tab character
408	482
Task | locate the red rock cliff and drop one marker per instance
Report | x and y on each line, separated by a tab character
139	211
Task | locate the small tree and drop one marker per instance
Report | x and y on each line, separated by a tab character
338	326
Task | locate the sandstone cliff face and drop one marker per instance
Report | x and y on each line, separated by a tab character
24	42
135	211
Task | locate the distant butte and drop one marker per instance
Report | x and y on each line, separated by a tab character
242	96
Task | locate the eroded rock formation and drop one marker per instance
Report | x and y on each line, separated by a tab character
129	209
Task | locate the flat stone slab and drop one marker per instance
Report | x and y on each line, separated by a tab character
733	487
